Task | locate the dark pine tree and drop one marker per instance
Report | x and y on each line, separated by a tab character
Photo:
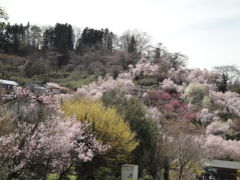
70	37
59	38
132	47
108	41
90	39
12	37
48	39
222	85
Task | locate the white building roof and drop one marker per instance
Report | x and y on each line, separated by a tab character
223	164
53	85
7	82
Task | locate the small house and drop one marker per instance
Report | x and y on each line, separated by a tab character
7	85
37	89
222	170
54	88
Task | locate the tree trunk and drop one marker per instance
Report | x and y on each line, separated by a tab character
158	176
166	169
63	176
180	173
10	176
46	170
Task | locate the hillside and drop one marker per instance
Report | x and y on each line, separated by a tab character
132	103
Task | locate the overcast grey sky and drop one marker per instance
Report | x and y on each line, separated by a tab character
207	31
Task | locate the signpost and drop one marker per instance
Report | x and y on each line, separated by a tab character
129	172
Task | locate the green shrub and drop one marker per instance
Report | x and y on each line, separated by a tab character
194	93
52	176
147	177
103	173
235	89
59	74
21	80
206	102
77	83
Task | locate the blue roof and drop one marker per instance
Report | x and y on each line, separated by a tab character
6	82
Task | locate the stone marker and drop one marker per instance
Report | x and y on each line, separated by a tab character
129	171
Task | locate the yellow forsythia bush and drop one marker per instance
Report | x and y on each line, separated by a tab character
108	125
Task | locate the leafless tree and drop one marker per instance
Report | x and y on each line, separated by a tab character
231	72
142	41
3	17
77	33
175	60
184	150
3	14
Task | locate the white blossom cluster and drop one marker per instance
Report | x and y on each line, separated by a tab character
228	100
96	89
205	116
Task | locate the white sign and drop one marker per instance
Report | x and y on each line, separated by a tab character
129	172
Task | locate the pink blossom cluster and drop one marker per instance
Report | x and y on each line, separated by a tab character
48	100
159	95
40	139
168	84
189	115
175	105
200	76
29	107
185	76
178	76
23	93
56	142
168	103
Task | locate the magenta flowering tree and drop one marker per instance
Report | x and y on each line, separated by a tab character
170	104
190	116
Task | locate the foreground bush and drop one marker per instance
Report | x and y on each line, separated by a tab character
107	124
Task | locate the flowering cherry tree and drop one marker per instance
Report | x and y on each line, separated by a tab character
200	76
52	143
205	116
96	89
141	67
217	147
230	101
217	128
